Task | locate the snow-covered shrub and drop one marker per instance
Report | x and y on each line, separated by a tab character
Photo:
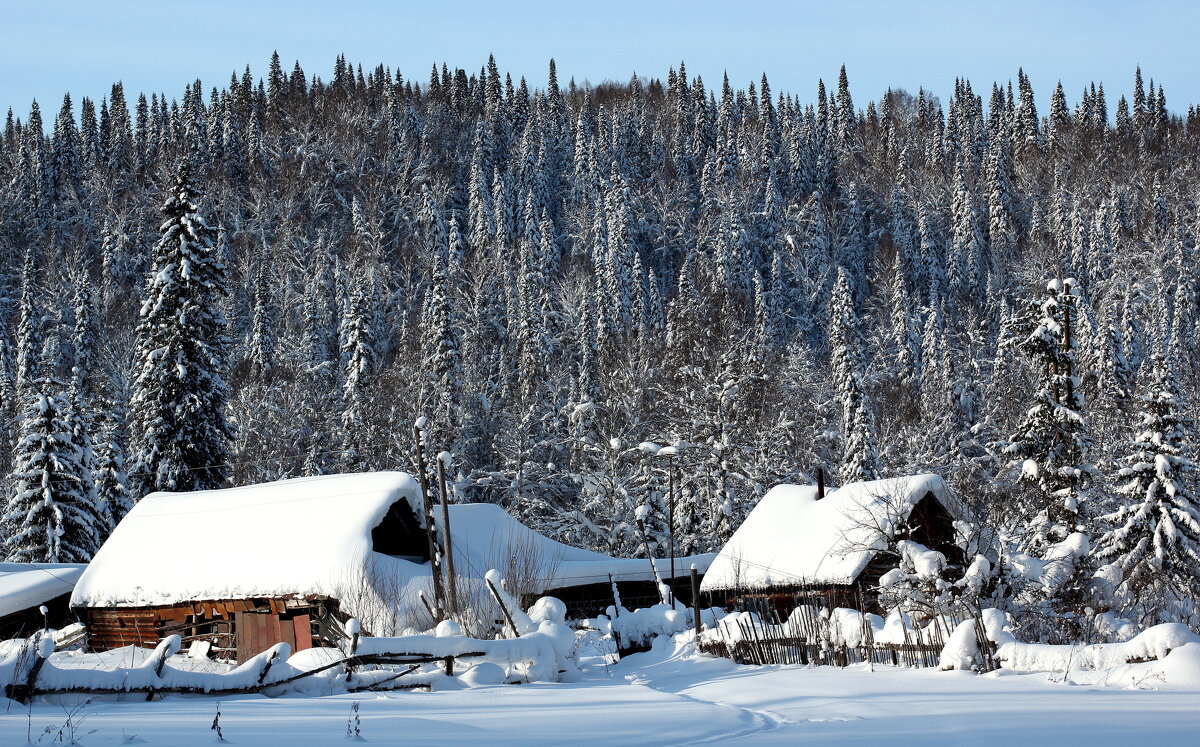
640	627
1153	643
1053	592
962	649
920	586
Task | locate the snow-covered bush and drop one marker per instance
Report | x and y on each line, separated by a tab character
919	584
639	627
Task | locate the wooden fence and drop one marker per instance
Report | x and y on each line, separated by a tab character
810	636
383	672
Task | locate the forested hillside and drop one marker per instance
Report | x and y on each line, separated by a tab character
772	282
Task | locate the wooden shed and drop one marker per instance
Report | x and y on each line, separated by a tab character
240	569
798	546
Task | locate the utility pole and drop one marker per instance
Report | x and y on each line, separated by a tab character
435	564
671	520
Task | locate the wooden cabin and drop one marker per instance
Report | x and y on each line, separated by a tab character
235	571
27	587
803	545
238	570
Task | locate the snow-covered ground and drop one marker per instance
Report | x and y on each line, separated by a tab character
667	696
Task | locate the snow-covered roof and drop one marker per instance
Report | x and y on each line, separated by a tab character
312	536
485	536
25	585
791	537
293	537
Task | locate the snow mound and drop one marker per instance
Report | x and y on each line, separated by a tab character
484	673
962	648
1181	667
1153	643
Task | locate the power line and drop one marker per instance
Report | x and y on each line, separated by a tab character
60	579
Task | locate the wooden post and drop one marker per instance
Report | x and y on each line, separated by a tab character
641	525
820	483
262	675
24	693
447	542
160	661
354	652
434	564
616	613
507	617
425	602
696	602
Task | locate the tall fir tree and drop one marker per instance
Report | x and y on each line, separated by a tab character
1153	536
181	437
860	457
1051	445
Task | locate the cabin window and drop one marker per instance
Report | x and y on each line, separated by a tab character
399	534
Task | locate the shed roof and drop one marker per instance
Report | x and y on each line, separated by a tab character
292	537
26	585
791	537
485	535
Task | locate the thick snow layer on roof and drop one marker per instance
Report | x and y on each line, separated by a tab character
25	585
312	536
486	536
791	537
308	535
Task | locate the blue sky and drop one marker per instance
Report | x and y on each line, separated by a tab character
50	47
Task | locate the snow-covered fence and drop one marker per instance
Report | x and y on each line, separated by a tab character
405	662
839	637
539	649
31	672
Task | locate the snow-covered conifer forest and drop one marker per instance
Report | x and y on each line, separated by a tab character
275	275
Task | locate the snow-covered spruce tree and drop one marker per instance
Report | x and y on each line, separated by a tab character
905	370
111	483
261	348
28	340
1152	539
1051	445
441	349
1043	530
358	352
50	516
180	437
81	397
860	458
